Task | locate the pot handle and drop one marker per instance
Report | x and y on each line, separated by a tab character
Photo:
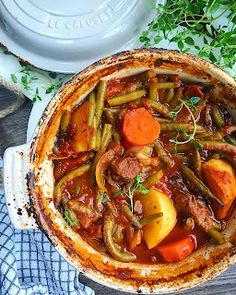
15	169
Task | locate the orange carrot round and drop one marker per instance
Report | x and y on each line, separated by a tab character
140	127
177	250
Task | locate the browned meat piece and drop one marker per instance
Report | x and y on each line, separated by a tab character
121	114
117	148
113	182
126	167
138	208
188	204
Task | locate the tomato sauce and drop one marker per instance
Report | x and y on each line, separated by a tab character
108	204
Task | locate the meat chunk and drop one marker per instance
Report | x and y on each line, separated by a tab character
138	207
189	205
126	167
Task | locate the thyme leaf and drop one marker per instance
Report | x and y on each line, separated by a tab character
181	21
70	222
137	187
189	105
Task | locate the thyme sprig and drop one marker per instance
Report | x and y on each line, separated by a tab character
27	78
137	187
189	105
181	21
69	221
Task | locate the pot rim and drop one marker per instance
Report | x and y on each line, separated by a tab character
228	260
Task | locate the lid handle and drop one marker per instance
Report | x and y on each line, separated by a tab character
16	165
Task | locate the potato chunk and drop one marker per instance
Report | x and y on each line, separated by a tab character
81	131
220	178
157	230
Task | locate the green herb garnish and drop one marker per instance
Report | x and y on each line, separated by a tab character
26	76
71	222
181	21
189	105
137	187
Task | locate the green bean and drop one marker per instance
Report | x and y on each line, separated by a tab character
106	136
131	217
183	158
70	176
113	249
113	110
165	127
116	136
92	108
101	167
118	233
230	139
112	208
122	99
178	93
102	87
219	122
197	163
168	85
65	120
163	154
98	201
169	95
160	108
145	76
147	219
153	89
217	117
189	174
92	140
211	136
153	179
162	120
110	116
219	146
180	148
98	139
216	235
80	207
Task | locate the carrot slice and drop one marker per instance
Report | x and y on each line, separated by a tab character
177	250
139	127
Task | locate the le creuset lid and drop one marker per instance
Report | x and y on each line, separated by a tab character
66	36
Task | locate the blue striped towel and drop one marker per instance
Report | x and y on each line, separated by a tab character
29	264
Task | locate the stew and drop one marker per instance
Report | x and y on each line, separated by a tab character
144	168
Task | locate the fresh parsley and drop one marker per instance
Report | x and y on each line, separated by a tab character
137	187
181	21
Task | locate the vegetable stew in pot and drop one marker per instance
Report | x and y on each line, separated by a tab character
144	168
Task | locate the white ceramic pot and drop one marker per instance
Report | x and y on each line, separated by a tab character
29	183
